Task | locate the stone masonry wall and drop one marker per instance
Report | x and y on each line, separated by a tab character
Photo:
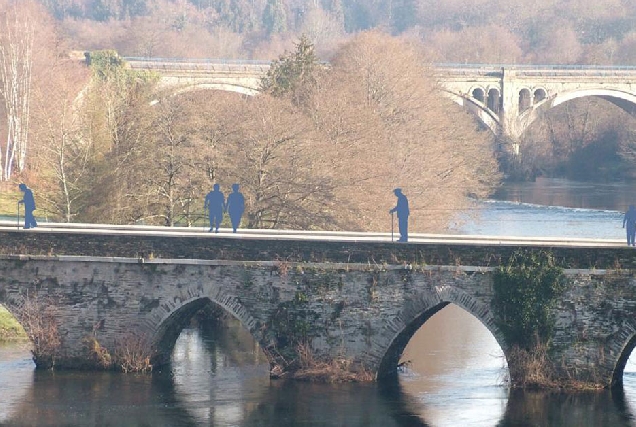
362	301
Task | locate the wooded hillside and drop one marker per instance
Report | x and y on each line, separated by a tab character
477	31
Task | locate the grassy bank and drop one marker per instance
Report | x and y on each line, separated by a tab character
9	202
10	329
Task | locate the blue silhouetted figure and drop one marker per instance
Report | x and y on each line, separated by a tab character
235	206
29	206
629	223
402	209
215	204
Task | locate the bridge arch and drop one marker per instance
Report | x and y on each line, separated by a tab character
479	94
173	322
494	100
543	102
539	95
621	99
422	307
479	109
224	87
11	307
617	352
525	99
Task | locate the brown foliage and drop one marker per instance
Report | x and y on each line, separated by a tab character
338	369
307	367
132	354
60	155
474	45
390	126
96	355
116	118
25	42
372	122
37	315
275	155
580	139
531	368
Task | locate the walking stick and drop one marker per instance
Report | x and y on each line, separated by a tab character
18	215
392	221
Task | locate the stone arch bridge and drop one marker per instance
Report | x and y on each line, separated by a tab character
362	299
505	98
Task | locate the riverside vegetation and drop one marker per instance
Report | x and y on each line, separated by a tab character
126	152
585	138
527	289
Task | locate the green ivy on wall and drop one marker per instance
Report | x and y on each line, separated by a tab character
526	289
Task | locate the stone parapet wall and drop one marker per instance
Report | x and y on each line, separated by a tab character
221	247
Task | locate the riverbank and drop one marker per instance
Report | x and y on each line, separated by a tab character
10	329
9	202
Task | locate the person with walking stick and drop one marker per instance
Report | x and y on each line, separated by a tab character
29	206
402	210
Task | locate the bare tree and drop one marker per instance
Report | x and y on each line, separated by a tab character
62	155
116	120
177	159
277	158
390	126
477	45
16	63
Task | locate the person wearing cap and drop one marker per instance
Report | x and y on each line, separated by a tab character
402	209
29	206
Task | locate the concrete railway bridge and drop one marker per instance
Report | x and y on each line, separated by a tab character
362	296
506	98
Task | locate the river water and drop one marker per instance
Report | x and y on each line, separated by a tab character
456	375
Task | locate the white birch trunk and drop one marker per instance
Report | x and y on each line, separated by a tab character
16	61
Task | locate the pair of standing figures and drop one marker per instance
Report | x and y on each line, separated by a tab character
216	205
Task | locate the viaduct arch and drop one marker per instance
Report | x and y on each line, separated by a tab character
508	98
505	98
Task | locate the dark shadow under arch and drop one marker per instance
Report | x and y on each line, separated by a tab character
619	369
170	328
